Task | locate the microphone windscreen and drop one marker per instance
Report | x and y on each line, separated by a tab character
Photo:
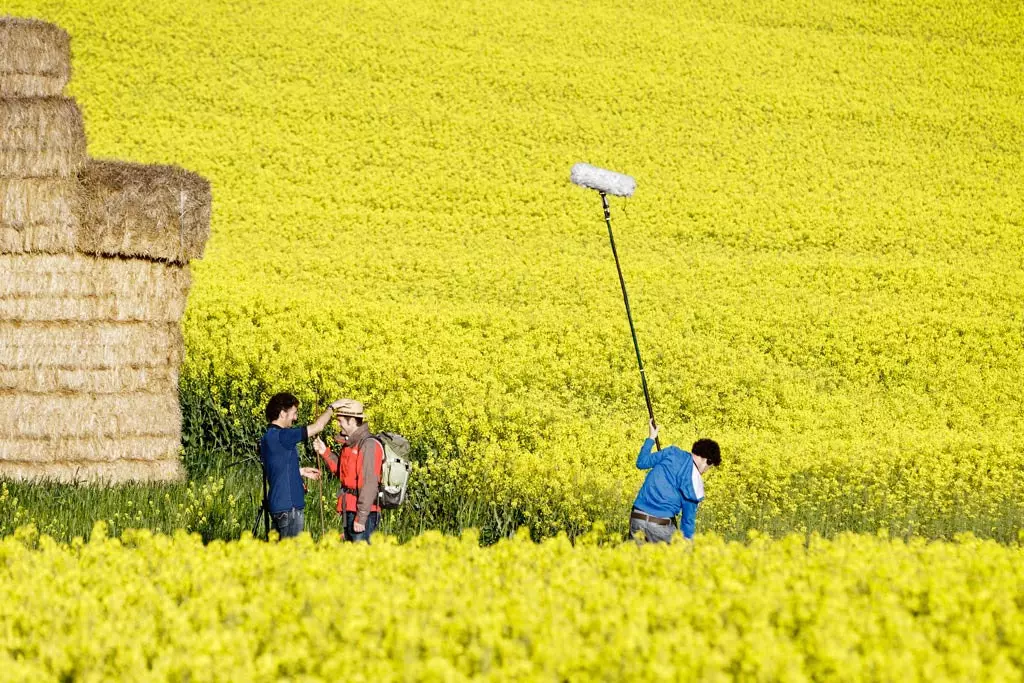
603	180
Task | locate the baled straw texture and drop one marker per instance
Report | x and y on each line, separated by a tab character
41	137
38	239
89	345
90	276
51	379
63	447
117	472
87	288
36	416
91	308
155	212
26	202
35	58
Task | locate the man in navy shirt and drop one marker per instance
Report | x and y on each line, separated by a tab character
279	454
674	484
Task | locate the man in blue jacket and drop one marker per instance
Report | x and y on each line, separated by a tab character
674	485
279	454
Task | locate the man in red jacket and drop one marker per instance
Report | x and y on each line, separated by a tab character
358	466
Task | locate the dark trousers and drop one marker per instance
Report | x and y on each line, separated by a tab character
288	523
364	535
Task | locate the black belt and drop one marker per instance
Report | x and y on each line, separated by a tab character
636	514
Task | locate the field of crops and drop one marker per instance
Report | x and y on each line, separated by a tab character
825	256
824	251
854	608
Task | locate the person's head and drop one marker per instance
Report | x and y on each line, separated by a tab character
282	409
348	413
706	454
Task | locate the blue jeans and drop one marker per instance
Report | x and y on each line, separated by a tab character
364	535
652	533
288	523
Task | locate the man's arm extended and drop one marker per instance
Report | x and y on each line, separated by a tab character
321	422
646	460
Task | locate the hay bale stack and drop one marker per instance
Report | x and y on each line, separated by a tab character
94	279
42	140
35	58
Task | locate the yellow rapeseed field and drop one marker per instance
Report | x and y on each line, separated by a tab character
825	248
855	608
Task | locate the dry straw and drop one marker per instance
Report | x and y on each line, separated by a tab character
35	58
40	137
39	275
155	212
62	448
117	472
25	202
53	379
91	308
89	345
89	415
38	239
94	279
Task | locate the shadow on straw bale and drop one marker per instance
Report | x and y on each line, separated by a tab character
155	212
41	137
35	60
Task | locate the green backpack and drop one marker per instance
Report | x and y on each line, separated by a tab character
395	468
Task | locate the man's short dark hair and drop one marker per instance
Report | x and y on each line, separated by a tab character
708	449
279	402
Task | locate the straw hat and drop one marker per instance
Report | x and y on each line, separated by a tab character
348	407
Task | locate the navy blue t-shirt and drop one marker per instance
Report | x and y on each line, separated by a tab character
280	455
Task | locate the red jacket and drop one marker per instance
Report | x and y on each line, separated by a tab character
360	469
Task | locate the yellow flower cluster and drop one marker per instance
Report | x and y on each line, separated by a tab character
823	250
859	607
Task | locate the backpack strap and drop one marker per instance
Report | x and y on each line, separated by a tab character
360	471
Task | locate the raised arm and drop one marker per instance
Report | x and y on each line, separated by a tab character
321	422
648	459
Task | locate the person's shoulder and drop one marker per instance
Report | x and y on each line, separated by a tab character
678	452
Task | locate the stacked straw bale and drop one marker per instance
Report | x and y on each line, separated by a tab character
94	279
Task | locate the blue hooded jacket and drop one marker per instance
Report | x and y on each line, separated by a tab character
673	485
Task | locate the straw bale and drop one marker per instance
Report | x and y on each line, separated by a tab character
156	212
91	308
41	137
27	415
31	85
38	239
35	60
38	201
65	448
96	473
40	275
89	345
50	379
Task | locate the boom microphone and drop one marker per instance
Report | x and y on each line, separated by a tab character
603	180
609	182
